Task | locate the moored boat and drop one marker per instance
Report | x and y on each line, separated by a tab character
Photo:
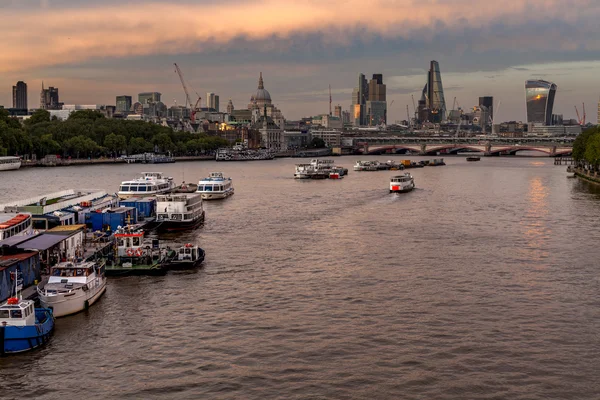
15	225
134	257
150	184
189	256
22	326
72	287
473	158
176	212
215	186
8	163
240	152
402	183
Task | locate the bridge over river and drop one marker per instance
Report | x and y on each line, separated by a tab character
553	147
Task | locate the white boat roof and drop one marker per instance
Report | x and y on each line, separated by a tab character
72	265
9	158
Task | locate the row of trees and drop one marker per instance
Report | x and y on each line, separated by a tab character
88	133
586	148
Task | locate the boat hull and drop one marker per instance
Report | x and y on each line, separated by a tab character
174	226
402	189
10	166
62	306
15	339
216	196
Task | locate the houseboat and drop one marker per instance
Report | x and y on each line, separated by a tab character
72	287
22	326
175	212
15	225
240	152
150	184
366	166
215	186
10	163
189	256
132	256
402	183
319	169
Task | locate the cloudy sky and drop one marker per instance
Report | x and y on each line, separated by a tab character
93	51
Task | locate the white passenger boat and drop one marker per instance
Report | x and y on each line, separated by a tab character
402	183
304	171
10	163
150	184
72	287
15	225
366	166
176	212
215	186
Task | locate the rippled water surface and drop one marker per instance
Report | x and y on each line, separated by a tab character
480	284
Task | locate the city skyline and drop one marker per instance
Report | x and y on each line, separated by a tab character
482	51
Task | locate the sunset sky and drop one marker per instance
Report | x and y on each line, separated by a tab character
94	51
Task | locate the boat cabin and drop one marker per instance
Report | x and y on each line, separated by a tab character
130	243
189	252
17	312
402	178
150	183
13	225
59	272
214	183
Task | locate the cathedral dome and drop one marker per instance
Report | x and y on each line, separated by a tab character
262	95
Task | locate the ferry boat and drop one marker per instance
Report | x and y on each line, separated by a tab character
189	256
240	152
319	169
402	183
215	186
304	171
15	225
22	326
473	158
133	257
176	212
72	287
10	163
150	184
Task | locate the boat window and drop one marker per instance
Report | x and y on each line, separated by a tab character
188	251
133	189
181	251
142	189
136	241
208	188
3	313
121	242
16	314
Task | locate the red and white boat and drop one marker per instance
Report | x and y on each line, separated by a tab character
15	225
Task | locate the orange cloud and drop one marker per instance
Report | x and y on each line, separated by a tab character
65	35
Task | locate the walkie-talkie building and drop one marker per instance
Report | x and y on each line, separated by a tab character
539	96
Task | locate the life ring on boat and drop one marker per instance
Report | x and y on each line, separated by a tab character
13	301
139	252
129	252
189	245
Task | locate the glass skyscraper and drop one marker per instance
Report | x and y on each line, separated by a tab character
539	96
435	94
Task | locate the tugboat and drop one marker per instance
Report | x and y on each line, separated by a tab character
189	256
402	183
23	327
72	287
132	257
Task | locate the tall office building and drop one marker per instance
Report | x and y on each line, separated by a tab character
230	107
338	111
49	99
360	96
19	92
376	104
123	104
149	97
488	103
435	94
539	96
212	101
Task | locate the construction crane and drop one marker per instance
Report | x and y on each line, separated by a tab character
414	107
187	95
330	114
408	116
580	119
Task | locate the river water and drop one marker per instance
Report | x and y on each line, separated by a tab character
480	284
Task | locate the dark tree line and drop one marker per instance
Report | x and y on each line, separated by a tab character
586	148
88	133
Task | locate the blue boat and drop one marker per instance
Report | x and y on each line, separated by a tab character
23	327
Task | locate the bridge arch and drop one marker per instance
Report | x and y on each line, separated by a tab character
397	149
454	148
